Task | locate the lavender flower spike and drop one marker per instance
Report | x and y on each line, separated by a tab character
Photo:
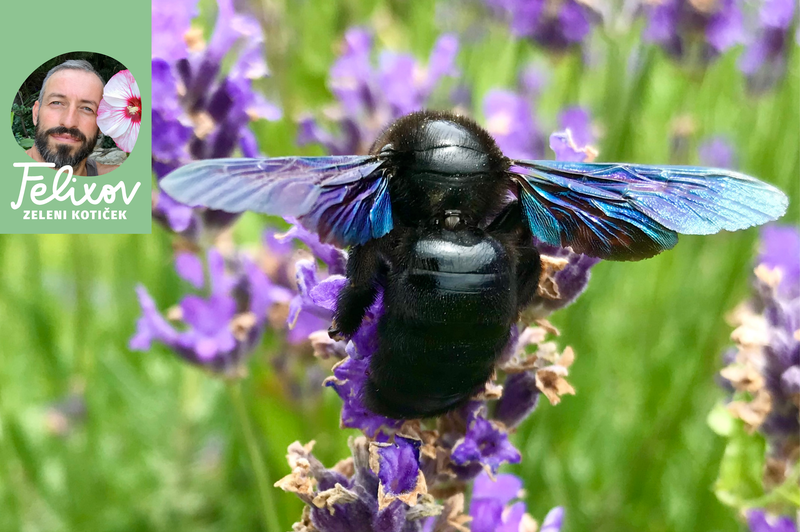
696	30
200	114
312	310
556	26
780	247
411	462
217	332
369	96
764	371
765	58
348	496
510	120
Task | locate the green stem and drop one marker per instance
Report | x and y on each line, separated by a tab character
782	494
259	465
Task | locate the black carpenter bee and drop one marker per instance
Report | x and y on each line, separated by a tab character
440	220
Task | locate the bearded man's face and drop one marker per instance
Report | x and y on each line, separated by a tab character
66	120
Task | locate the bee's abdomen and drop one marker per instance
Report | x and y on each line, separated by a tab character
454	278
448	317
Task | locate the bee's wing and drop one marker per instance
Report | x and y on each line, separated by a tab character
630	211
344	199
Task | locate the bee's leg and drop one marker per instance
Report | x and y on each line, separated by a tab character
513	223
365	269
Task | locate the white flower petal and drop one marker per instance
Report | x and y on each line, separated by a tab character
127	140
112	115
113	101
112	121
121	85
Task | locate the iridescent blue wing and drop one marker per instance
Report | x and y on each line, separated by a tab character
344	199
630	211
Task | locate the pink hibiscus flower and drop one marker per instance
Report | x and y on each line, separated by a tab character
120	112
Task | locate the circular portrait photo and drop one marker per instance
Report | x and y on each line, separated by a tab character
79	109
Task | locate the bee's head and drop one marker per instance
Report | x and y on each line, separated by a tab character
442	163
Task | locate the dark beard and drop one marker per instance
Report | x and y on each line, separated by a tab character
62	155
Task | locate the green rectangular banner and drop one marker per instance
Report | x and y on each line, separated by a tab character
52	179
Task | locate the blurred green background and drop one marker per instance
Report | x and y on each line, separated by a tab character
156	445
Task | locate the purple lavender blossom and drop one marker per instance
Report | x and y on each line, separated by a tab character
397	465
779	297
579	122
490	497
349	496
759	521
412	457
575	140
349	379
520	398
484	443
780	248
170	213
511	118
695	29
334	258
305	316
553	520
190	267
717	152
151	326
556	26
198	114
566	149
765	58
491	511
356	494
765	370
218	331
566	276
208	334
172	22
511	121
371	97
350	375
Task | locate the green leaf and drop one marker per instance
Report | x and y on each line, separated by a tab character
740	472
721	421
